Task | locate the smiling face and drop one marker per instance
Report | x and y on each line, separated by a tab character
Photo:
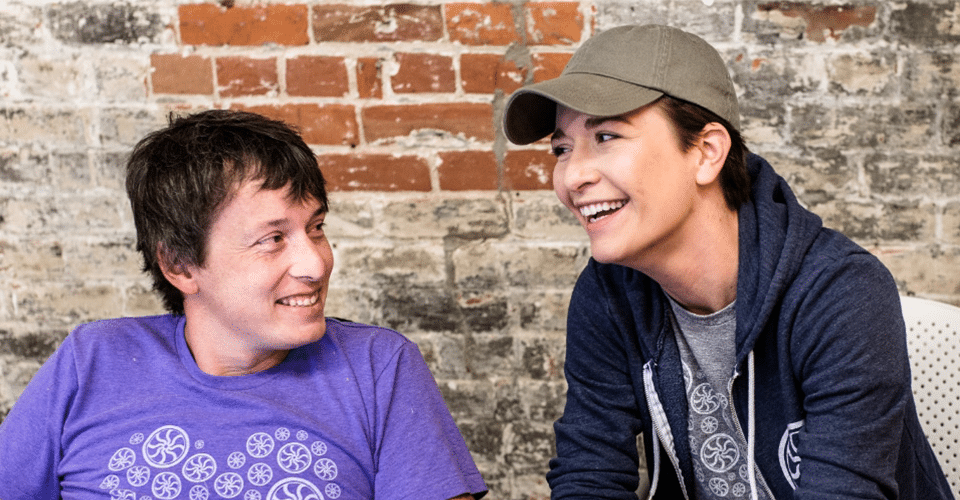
629	184
262	286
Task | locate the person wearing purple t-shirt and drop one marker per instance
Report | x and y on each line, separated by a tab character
245	389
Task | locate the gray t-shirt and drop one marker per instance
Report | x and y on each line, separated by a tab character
719	448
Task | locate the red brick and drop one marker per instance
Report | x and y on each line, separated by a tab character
554	23
242	76
377	23
317	76
549	65
528	169
481	23
209	24
369	77
375	172
423	73
467	119
176	74
468	170
823	21
331	124
487	73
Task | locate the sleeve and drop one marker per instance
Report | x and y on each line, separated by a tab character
420	452
855	378
30	447
597	453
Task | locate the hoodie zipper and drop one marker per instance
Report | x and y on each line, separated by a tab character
653	401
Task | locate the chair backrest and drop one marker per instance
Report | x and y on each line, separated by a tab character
933	337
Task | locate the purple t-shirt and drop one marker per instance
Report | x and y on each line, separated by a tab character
121	410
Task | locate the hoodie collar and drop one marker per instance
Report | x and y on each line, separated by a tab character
775	234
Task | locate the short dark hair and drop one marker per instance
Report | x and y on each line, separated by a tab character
688	121
180	177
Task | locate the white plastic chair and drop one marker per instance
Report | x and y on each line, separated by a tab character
933	337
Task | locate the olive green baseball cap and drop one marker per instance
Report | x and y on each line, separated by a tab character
623	69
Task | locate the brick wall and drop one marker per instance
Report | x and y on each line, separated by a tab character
440	228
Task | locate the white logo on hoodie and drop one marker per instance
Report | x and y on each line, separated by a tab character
789	459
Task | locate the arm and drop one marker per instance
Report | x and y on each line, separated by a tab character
851	361
596	436
420	453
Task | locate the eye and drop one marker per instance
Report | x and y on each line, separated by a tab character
558	151
605	136
271	241
316	228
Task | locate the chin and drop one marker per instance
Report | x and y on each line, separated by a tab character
306	334
603	254
318	332
608	257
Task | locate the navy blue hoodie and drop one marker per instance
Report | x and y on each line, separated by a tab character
821	386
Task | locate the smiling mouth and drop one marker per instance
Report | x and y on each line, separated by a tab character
596	211
300	300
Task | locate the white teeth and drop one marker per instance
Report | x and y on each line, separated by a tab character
589	211
301	301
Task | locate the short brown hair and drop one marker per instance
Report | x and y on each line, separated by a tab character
179	177
688	121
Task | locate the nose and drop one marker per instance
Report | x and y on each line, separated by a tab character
577	171
311	259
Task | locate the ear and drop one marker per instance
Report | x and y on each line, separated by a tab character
714	145
177	273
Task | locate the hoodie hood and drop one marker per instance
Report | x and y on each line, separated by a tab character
775	234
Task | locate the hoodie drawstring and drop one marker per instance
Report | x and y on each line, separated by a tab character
751	428
653	403
656	466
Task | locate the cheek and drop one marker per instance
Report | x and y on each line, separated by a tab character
558	188
326	253
329	263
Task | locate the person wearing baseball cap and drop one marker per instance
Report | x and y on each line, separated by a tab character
758	353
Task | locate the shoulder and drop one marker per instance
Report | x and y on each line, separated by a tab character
353	332
600	280
128	325
842	289
834	259
372	350
359	339
125	334
615	290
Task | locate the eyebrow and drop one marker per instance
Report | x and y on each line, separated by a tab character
593	122
596	121
283	221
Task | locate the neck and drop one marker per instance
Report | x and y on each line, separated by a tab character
702	277
226	357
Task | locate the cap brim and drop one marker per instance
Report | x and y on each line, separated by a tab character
530	113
